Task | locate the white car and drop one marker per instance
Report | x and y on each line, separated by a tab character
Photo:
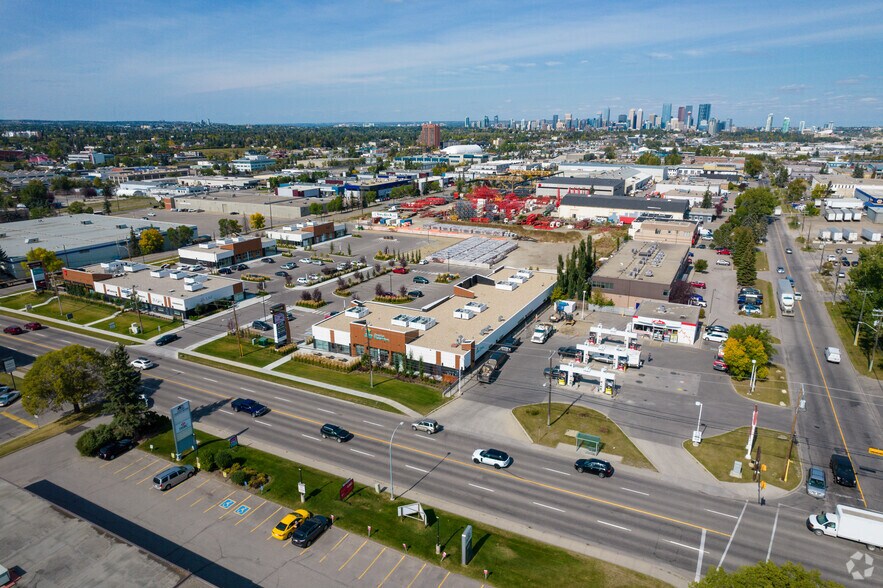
702	303
196	268
722	262
303	281
424	262
495	457
849	251
142	363
715	336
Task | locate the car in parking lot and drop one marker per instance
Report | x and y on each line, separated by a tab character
261	325
166	339
309	531
289	523
119	447
8	396
306	260
720	365
849	252
399	270
816	482
415	294
334	432
841	275
13	330
780	270
142	363
252	407
495	457
420	280
289	266
719	328
225	271
722	262
716	336
171	477
282	274
569	352
303	281
599	467
701	246
34	326
343	266
750	309
723	251
855	263
698	302
841	470
427	426
423	262
700	285
241	267
267	260
509	344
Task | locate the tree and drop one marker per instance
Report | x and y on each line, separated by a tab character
35	195
133	246
4	261
51	263
315	208
70	375
701	265
179	236
706	199
151	241
610	152
107	193
258	221
675	158
680	292
820	191
753	165
228	226
758	332
744	256
795	190
647	158
858	171
77	207
787	575
122	388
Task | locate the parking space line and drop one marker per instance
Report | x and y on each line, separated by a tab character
265	520
236	504
151	476
250	512
216	504
198	500
391	571
418	575
444	579
353	555
206	481
130	465
370	565
141	470
336	545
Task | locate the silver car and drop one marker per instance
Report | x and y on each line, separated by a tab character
429	426
816	484
173	476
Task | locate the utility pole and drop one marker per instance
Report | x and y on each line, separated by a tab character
137	308
549	414
861	313
877	313
370	359
793	430
236	324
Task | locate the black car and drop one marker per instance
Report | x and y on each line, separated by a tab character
260	326
599	467
225	271
241	267
335	432
116	448
282	274
167	338
309	531
509	344
250	406
569	352
842	470
415	294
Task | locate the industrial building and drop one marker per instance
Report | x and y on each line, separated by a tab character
252	162
678	232
558	187
309	233
619	209
226	252
641	270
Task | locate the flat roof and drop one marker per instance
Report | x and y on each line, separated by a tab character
246	196
73	232
626	202
636	259
582	181
142	281
656	310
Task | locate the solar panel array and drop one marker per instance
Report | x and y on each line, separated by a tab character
476	251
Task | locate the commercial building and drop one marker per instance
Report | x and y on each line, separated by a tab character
658	173
669	323
557	186
228	251
641	270
430	135
78	240
252	162
447	336
354	192
219	181
299	190
653	230
309	233
619	209
89	156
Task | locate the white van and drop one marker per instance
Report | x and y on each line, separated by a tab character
832	354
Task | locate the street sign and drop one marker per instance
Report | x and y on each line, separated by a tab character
347	489
234	441
9	364
875	451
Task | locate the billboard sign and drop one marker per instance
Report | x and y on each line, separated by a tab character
38	275
281	334
182	427
347	489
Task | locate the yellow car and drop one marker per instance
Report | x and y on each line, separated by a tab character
289	523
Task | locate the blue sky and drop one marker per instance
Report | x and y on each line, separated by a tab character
374	60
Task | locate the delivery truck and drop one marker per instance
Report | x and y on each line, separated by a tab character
848	522
541	333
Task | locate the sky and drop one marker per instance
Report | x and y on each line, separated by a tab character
382	60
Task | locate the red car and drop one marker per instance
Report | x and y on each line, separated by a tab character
698	285
33	326
723	251
13	330
720	365
400	270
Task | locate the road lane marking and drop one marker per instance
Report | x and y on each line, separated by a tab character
353	555
370	565
225	411
699	549
614	526
444	579
19	420
328	411
635	491
263	423
773	535
410	467
265	520
66	341
361	452
374	424
556	471
210	380
192	489
732	535
390	572
142	469
276	397
427	437
418	575
547	506
701	555
723	514
310	437
336	545
481	487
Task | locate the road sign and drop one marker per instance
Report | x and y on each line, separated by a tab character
227	504
347	489
242	510
871	450
9	364
234	441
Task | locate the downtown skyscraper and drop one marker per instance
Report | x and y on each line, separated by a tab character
666	115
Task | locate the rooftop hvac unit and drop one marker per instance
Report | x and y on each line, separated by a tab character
32	239
649	273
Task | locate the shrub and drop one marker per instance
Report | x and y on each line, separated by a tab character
207	461
224	459
94	439
258	480
239	477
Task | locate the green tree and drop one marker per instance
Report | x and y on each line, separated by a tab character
820	191
122	388
738	362
228	226
133	246
701	265
107	194
4	262
758	332
51	263
258	221
675	158
610	152
787	575
647	158
753	165
70	375
151	241
795	190
744	256
179	236
706	199
77	207
315	208
35	195
858	171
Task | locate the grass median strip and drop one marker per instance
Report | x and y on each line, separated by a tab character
857	354
773	390
228	348
513	560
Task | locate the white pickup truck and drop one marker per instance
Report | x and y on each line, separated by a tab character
541	333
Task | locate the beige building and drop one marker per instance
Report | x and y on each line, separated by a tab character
641	270
661	231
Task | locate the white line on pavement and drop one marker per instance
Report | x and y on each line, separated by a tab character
247	390
179	373
361	452
66	341
263	423
723	514
209	379
328	411
701	555
732	536
182	398
547	506
684	546
614	526
775	523
481	487
310	437
556	471
374	424
225	411
410	467
422	436
635	491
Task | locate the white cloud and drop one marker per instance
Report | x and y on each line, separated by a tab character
552	63
793	88
659	55
853	80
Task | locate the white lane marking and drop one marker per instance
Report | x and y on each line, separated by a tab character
635	491
225	411
179	373
263	423
547	506
328	411
732	536
374	424
684	546
310	437
556	471
361	452
481	487
614	526
410	467
246	389
209	379
701	555
278	398
773	536
427	437
182	398
723	514
66	341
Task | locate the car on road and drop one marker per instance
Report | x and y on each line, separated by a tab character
35	326
700	285
701	246
790	279
151	214
716	336
119	447
599	467
309	531
720	365
166	339
225	271
334	432
13	330
306	260
495	457
841	470
289	266
252	407
142	363
241	267
722	262
415	293
260	326
423	262
816	482
289	524
399	270
282	274
832	354
267	260
8	396
171	477
780	270
789	251
569	352
420	280
750	309
723	251
429	426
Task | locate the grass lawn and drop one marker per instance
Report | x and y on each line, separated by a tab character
6	379
129	204
269	377
768	309
228	348
769	390
419	397
153	325
533	418
762	264
39	434
20	301
856	354
717	454
512	559
84	311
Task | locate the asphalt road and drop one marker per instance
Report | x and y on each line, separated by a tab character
635	516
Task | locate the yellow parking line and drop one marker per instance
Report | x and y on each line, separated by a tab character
418	575
153	475
217	503
198	500
391	571
250	512
141	470
443	579
265	520
192	489
333	548
130	465
370	565
353	555
19	420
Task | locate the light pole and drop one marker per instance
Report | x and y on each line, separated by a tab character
877	313
392	495
583	315
370	359
864	294
549	413
753	373
137	304
822	258
697	434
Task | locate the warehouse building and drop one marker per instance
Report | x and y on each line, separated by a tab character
619	209
557	187
309	233
227	251
641	270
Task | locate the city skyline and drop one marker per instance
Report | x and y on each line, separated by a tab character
397	61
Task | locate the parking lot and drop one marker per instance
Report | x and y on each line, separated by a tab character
206	525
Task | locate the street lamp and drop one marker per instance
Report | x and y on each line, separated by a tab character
392	495
697	434
753	374
583	315
549	413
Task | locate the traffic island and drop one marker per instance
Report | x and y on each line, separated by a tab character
567	418
773	390
718	455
